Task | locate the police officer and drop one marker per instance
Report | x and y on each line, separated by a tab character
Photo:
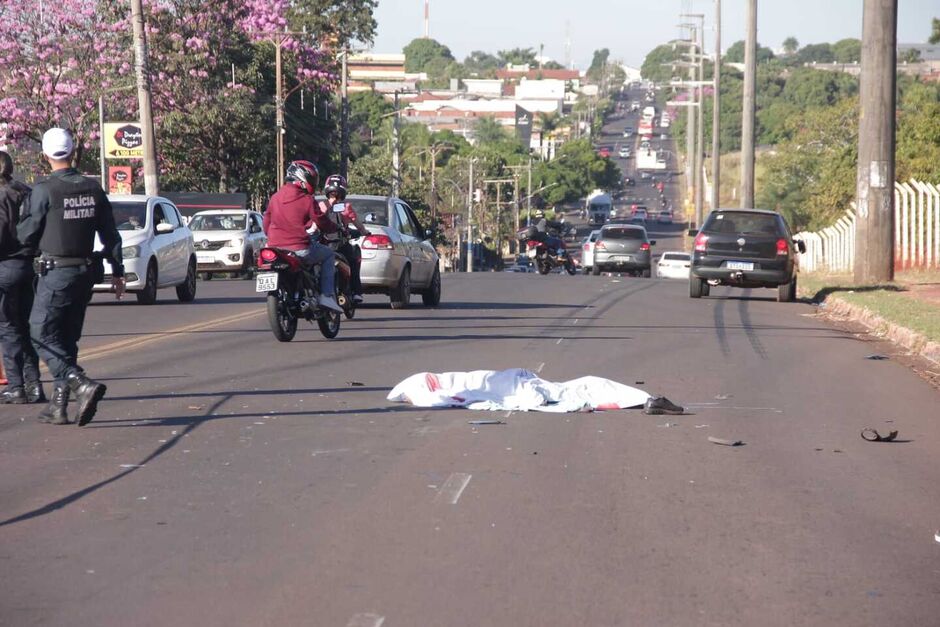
16	295
65	211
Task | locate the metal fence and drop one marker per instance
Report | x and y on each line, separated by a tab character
916	233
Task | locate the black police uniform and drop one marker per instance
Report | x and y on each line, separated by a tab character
16	300
65	212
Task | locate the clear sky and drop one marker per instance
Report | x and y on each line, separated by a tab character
629	28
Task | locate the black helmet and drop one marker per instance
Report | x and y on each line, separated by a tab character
304	175
335	184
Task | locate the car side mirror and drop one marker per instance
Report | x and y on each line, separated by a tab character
428	233
165	227
693	232
800	246
652	242
255	228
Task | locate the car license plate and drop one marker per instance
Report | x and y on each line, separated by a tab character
532	252
623	257
739	265
266	282
204	259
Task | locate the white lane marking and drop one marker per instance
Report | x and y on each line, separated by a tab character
576	320
560	341
708	406
539	369
454	486
326	451
366	620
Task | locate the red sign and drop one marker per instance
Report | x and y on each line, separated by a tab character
120	179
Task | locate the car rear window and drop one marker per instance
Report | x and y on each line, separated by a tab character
371	210
675	257
622	234
741	222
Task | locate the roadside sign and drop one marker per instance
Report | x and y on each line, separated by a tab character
123	140
120	179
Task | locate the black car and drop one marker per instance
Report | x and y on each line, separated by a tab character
745	248
623	247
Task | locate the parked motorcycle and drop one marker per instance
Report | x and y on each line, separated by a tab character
547	257
292	293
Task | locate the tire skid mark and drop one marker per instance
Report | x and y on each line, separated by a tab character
720	331
752	337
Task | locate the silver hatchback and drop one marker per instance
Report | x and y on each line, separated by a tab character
398	258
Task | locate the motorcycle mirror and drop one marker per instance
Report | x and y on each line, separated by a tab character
339	207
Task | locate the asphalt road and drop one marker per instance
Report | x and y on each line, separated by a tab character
232	480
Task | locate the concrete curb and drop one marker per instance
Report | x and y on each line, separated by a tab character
904	337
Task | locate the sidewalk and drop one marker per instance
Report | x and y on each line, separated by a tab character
905	311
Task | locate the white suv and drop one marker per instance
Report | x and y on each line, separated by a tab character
157	248
227	241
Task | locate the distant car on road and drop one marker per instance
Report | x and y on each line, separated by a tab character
587	250
673	265
227	241
157	247
625	153
622	247
398	258
629	131
664	217
645	176
639	216
745	248
604	153
629	181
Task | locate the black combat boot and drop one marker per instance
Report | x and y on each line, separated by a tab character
13	396
86	392
56	412
34	392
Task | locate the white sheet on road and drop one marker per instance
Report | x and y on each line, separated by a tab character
516	390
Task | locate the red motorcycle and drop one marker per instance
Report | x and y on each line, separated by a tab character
292	291
547	253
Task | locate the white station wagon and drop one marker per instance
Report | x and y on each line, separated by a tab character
157	248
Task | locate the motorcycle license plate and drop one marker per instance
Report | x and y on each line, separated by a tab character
532	252
266	282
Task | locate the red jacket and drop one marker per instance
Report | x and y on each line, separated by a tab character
324	220
290	213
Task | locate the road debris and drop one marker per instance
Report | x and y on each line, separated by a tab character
356	384
485	422
877	357
723	397
197	407
658	405
936	536
871	435
725	442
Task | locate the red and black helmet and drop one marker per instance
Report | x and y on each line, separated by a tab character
335	184
304	175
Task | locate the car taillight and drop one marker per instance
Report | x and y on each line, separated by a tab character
644	246
782	248
700	240
378	241
265	258
599	246
587	247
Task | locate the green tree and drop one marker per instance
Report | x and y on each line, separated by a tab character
790	45
344	20
816	53
918	133
517	56
806	87
656	65
575	172
847	50
552	65
735	54
911	55
421	52
598	63
481	63
488	131
934	31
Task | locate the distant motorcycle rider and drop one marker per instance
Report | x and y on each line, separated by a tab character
540	231
335	188
290	213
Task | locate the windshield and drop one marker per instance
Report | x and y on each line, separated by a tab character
218	222
370	210
622	234
742	222
130	216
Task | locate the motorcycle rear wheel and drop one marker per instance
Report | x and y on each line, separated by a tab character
283	322
545	266
569	267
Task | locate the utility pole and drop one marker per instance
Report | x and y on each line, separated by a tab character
470	220
396	151
344	118
716	114
748	112
690	128
874	230
528	201
700	151
278	110
151	181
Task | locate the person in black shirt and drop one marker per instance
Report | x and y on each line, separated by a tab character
16	295
66	210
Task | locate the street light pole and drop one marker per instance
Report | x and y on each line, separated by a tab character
344	118
279	111
396	150
151	181
748	113
470	220
716	114
700	152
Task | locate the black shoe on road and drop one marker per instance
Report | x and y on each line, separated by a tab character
657	405
56	412
34	392
86	393
13	396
